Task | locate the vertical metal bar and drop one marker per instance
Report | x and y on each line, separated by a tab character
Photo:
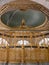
31	47
23	48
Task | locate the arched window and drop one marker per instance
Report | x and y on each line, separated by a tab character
3	42
25	42
44	41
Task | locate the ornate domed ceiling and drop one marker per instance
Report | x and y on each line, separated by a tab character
32	18
35	15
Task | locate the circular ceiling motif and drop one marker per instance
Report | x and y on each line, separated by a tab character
33	18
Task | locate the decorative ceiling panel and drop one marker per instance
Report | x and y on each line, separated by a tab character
33	18
24	5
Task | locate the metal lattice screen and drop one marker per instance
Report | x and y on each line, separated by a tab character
25	52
